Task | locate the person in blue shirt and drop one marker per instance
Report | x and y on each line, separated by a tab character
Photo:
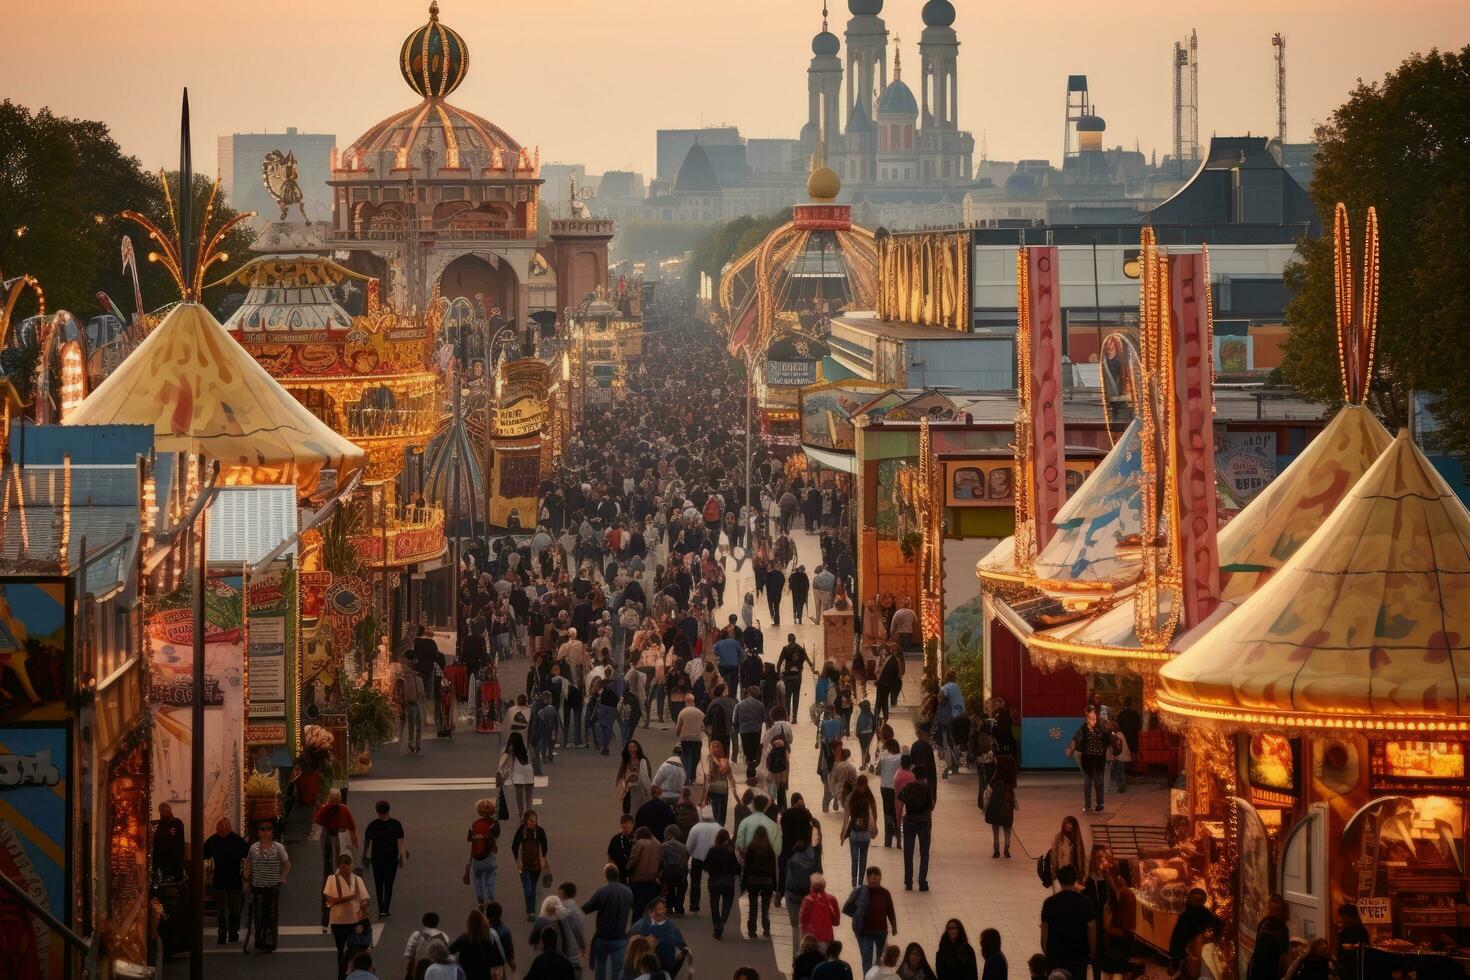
949	711
729	652
668	941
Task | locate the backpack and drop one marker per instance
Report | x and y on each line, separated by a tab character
671	869
711	511
1043	869
799	877
776	757
483	845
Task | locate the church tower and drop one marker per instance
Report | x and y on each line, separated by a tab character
945	153
867	56
824	94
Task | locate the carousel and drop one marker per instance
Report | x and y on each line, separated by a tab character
777	300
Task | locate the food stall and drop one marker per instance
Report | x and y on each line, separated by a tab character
1337	682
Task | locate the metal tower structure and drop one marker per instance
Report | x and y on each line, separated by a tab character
1186	100
1278	41
1078	105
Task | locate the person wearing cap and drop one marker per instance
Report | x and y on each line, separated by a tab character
701	838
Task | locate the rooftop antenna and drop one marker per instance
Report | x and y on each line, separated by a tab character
186	196
1186	100
1079	104
1278	41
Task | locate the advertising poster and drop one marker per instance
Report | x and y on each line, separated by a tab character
1254	880
1246	461
35	644
170	637
272	642
992	483
35	814
826	414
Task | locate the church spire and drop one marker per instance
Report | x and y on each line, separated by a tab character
898	59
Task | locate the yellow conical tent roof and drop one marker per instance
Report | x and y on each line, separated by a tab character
1367	626
203	393
1252	546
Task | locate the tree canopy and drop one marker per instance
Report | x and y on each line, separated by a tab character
63	183
1403	146
727	242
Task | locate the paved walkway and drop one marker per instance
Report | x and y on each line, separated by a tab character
433	794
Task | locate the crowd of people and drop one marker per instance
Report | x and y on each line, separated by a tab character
606	617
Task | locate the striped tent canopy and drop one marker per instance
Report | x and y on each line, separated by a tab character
1253	546
1365	627
203	393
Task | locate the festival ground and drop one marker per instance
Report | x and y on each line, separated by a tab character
434	794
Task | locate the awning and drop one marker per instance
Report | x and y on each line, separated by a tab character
841	462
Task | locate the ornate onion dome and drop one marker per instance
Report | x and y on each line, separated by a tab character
825	44
1091	124
434	58
939	13
859	8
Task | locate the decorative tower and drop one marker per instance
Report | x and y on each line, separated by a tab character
824	93
867	56
946	154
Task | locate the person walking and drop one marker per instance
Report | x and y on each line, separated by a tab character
384	851
823	582
557	919
635	777
701	838
668	941
267	866
347	907
228	851
478	949
1068	927
718	778
918	814
531	848
515	770
759	881
890	761
673	871
689	730
643	869
799	584
870	910
793	662
483	837
1068	850
775	585
860	817
612	902
441	963
723	868
1089	745
410	693
833	968
996	967
750	718
887	966
818	914
955	957
797	875
999	804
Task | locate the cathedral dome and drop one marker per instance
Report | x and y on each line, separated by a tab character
871	8
939	13
1091	124
825	44
453	138
898	100
434	58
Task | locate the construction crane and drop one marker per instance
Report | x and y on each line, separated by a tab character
1278	41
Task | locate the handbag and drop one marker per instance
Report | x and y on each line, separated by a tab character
502	809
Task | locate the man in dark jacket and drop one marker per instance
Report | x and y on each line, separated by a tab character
426	657
775	585
620	848
613	903
800	585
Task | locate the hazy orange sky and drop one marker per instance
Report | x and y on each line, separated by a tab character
591	80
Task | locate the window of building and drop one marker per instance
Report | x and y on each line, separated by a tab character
359	193
452	194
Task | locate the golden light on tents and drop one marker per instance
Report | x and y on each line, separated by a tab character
1366	627
203	393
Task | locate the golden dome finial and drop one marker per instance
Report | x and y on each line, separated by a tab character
824	15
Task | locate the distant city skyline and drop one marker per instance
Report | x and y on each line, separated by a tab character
592	82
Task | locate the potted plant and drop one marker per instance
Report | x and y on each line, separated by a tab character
370	720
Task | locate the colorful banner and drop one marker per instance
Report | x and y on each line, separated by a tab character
1048	438
272	657
170	635
35	846
35	649
1194	435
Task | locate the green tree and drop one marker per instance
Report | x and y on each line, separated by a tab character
1403	146
63	183
726	242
